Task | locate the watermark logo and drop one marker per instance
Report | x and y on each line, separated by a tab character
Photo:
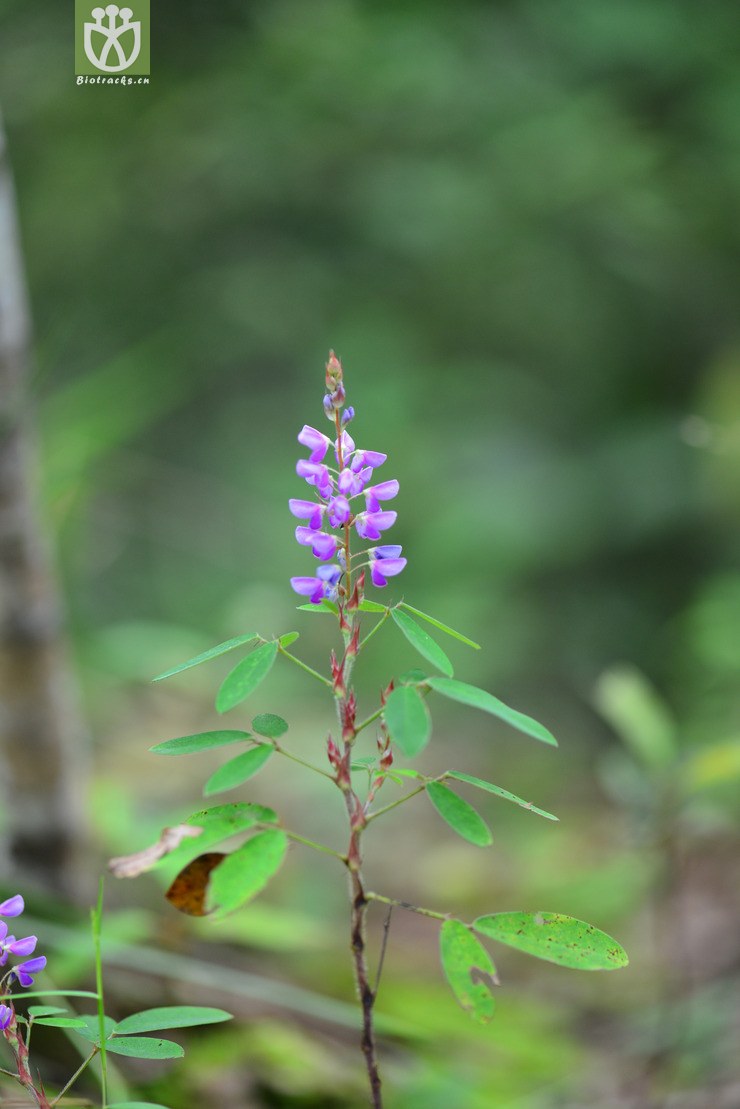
111	40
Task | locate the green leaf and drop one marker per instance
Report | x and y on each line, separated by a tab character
203	741
288	638
412	677
238	770
442	627
214	652
217	823
469	970
460	816
269	725
480	699
45	1010
60	1022
246	871
491	788
557	938
372	606
408	720
136	1105
324	606
423	643
144	1047
90	1029
246	676
170	1016
406	772
628	701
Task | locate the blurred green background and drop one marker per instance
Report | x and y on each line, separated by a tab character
517	224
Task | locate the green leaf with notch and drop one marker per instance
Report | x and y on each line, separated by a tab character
408	720
499	792
556	938
269	725
460	816
203	741
246	676
206	656
246	871
144	1047
438	624
238	770
422	642
469	970
481	699
170	1016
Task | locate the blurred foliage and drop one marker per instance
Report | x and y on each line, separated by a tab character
516	222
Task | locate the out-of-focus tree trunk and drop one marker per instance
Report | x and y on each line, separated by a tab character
43	745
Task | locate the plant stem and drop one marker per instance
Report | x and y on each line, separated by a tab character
294	758
315	846
303	666
394	804
407	905
75	1076
379	625
369	720
97	926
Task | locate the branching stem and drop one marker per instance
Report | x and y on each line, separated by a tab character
303	666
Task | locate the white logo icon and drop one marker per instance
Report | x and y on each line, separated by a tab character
107	35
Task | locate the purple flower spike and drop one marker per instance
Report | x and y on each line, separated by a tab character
317	443
24	972
6	1016
370	524
386	491
25	946
14	906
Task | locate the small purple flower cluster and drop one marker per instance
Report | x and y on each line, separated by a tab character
9	945
335	489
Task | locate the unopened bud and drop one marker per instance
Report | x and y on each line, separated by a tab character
385	694
333	753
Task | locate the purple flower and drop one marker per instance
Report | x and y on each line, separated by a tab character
373	459
339	511
323	546
324	585
386	491
307	510
6	1016
317	443
385	563
347	415
24	971
14	906
370	524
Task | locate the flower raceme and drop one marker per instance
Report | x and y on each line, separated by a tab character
329	518
9	945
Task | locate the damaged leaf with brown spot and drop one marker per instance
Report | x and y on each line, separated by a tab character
469	970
